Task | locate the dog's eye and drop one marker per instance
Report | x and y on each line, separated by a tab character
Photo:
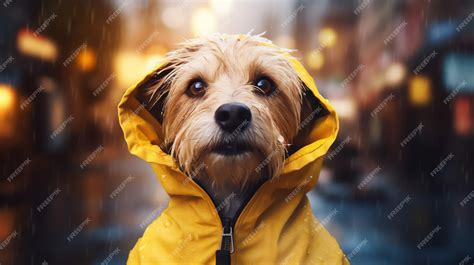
197	88
265	86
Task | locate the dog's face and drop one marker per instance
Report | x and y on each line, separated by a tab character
231	107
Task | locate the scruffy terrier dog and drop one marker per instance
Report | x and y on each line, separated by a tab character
226	108
235	130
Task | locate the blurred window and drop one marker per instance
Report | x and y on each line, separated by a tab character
456	69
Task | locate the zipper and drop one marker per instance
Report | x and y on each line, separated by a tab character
227	246
227	243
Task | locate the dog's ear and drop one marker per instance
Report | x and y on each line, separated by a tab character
311	110
152	92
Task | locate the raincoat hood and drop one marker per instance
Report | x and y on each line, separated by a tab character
275	226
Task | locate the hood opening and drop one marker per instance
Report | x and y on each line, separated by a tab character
312	110
141	121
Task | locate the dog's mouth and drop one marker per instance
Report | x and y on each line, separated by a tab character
230	148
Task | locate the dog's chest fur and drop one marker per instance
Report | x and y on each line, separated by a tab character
228	199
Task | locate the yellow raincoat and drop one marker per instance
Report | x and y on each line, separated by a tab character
275	227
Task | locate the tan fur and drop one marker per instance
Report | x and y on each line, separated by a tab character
229	65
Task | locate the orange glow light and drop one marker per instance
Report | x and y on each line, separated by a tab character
86	60
7	114
462	116
7	97
36	46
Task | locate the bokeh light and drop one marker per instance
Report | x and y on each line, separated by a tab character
86	60
328	37
7	97
395	74
315	60
419	92
203	22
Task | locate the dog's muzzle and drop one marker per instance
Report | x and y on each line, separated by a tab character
233	118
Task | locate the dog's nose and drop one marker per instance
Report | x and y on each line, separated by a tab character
233	116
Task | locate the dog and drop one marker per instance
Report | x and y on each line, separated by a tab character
229	111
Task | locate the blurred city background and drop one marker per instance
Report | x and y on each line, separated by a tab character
396	186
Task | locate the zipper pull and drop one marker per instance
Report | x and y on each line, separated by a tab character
227	244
